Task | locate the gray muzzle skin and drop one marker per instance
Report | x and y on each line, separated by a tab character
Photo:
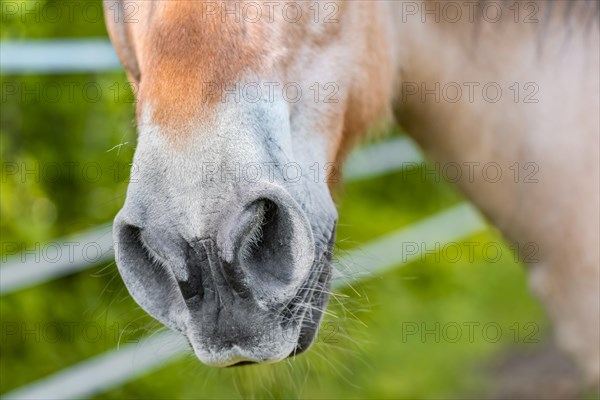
251	288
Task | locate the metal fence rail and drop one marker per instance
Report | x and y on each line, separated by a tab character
30	268
57	56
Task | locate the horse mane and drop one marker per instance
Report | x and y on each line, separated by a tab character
585	12
553	17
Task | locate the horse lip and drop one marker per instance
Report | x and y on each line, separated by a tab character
242	363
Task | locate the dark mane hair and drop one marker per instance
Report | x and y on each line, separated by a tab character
583	12
566	16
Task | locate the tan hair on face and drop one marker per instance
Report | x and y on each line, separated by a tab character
187	50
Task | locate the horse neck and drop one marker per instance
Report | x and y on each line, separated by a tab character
532	65
546	114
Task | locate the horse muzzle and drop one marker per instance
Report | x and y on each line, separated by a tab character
247	286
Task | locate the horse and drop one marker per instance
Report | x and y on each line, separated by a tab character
246	111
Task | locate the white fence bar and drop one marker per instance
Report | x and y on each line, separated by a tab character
55	259
105	371
382	158
390	250
118	366
79	252
57	56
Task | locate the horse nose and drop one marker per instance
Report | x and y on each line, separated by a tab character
269	238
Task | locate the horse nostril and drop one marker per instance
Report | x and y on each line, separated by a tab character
150	281
264	245
268	243
262	228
